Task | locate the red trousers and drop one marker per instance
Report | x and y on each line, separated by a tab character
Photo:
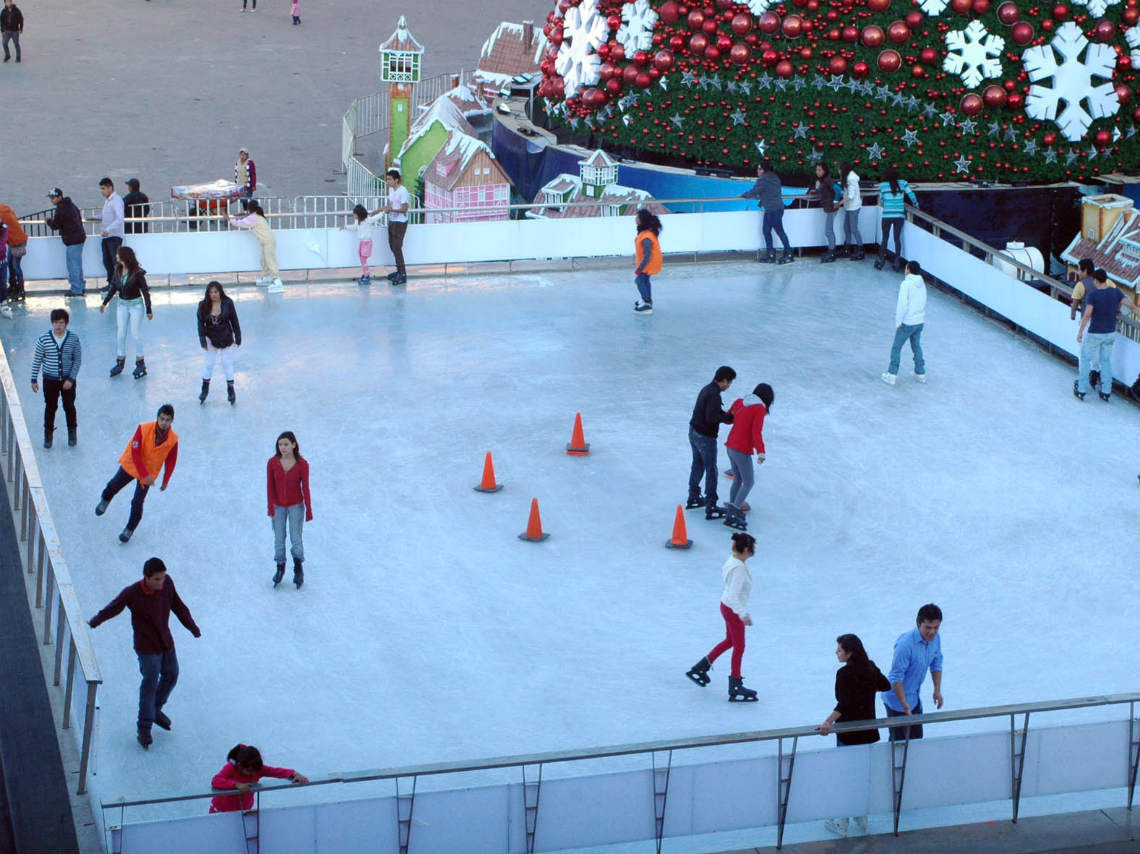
733	637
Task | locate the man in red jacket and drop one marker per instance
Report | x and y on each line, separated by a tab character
150	602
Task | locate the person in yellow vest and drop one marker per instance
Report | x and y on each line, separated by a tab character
648	259
153	446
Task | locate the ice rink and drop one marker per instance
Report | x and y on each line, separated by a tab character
426	631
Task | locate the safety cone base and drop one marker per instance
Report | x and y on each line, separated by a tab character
669	544
494	488
578	451
538	539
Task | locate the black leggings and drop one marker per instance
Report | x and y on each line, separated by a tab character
892	224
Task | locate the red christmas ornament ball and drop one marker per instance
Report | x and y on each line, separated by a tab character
889	61
793	26
980	7
785	68
641	57
878	5
805	53
663	60
1102	138
850	33
914	19
768	23
723	43
837	65
1124	62
770	57
898	32
1123	93
873	35
1049	138
1022	32
1008	13
613	21
643	79
1060	11
1015	101
971	104
696	19
607	70
712	53
860	69
724	4
698	43
1131	16
677	43
617	52
1136	115
1105	30
740	54
710	25
928	56
669	12
962	7
613	85
994	97
741	23
594	97
629	75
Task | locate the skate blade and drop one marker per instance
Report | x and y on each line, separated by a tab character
743	699
698	679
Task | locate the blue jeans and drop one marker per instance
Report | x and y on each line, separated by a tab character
900	733
851	235
15	271
829	229
774	220
742	476
1096	349
110	247
4	281
116	483
159	676
294	517
704	463
644	287
75	269
903	334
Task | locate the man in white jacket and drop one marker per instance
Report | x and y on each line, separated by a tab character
910	316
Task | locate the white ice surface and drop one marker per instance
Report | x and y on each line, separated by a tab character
426	631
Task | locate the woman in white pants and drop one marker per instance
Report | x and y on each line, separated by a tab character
256	222
129	283
219	333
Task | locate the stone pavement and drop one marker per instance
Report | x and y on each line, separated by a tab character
168	90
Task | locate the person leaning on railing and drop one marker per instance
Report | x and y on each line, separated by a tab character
243	768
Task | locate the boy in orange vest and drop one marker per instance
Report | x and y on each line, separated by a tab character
153	446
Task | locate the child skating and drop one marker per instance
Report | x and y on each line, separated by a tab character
648	257
242	770
363	226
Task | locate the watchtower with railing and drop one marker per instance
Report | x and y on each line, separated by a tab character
400	59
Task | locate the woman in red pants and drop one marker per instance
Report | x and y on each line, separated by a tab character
734	609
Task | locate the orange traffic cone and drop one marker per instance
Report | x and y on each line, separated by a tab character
533	532
680	537
578	446
488	483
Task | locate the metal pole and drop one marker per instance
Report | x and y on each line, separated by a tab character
783	786
660	794
88	726
532	791
1017	759
1133	750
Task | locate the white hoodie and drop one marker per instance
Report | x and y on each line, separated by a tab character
737	586
911	307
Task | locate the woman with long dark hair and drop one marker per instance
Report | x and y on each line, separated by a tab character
893	193
852	201
290	504
648	254
825	187
129	282
219	333
256	222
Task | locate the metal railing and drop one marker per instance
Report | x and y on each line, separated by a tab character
55	597
785	763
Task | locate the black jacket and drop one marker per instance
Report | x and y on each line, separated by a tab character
12	19
134	287
827	194
225	331
136	203
68	221
150	615
707	413
855	696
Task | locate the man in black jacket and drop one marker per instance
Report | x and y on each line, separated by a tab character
137	205
708	415
11	24
68	221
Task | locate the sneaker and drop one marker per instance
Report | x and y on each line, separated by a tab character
643	307
276	287
101	507
125	537
1079	395
888	378
921	378
838	826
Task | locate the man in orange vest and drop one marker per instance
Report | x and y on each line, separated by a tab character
153	446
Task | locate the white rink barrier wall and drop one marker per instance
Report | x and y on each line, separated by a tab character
703	798
440	244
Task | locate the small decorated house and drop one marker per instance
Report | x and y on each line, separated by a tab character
594	191
1110	237
465	175
427	136
511	51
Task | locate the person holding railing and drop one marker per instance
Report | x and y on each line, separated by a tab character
58	355
398	203
915	652
893	193
137	205
770	193
17	249
244	768
363	225
825	187
852	201
257	223
68	221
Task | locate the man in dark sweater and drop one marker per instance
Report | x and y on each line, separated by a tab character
137	204
708	415
150	602
68	221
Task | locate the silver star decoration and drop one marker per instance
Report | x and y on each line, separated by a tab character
898	100
819	80
875	152
762	147
1092	152
716	83
764	81
910	138
1070	157
1116	134
815	156
798	83
733	86
703	83
1031	147
1131	132
961	165
912	103
969	126
661	82
687	78
800	131
994	129
883	92
677	120
626	120
1050	156
929	111
835	83
947	119
590	123
574	123
1010	135
781	84
627	102
746	87
738	117
851	85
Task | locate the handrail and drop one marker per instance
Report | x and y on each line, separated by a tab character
655	746
45	560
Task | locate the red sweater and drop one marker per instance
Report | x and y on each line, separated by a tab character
288	488
747	433
230	776
150	615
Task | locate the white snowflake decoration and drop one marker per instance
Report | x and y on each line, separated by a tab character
636	31
584	30
1132	37
1097	7
973	54
1072	81
758	6
933	7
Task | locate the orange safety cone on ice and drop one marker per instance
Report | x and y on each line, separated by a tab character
578	446
533	532
488	483
680	538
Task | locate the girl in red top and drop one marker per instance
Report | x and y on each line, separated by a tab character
243	768
746	438
287	485
648	262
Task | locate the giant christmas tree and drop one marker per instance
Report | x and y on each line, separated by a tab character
1011	90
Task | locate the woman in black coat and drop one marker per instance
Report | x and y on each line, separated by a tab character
218	332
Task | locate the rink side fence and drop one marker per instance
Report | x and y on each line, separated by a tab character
615	807
47	577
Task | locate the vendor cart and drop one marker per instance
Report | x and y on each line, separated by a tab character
205	203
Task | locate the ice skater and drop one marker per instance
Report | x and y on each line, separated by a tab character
745	438
1102	304
129	282
399	201
734	609
363	226
153	446
290	504
910	317
648	259
58	355
703	428
150	602
243	768
851	199
893	193
769	191
256	222
219	333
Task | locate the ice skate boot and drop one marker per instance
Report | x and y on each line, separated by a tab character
144	736
699	672
768	257
72	437
694	502
737	693
231	396
140	369
786	258
735	519
202	395
828	258
715	512
125	536
118	369
298	573
161	720
279	574
1079	395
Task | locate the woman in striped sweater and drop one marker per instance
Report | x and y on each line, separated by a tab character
893	192
58	355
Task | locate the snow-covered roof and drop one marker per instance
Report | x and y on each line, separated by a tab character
507	54
442	110
454	158
1111	250
402	39
468	100
599	160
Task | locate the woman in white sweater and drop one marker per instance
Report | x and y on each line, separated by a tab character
852	202
734	609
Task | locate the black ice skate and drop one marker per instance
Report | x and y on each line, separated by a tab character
202	395
737	693
735	519
1079	395
786	258
715	512
699	672
694	502
279	574
298	573
140	369
118	369
231	396
161	720
144	736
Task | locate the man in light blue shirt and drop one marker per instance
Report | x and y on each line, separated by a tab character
916	652
112	226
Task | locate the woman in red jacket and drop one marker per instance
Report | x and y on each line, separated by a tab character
746	437
242	769
290	504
